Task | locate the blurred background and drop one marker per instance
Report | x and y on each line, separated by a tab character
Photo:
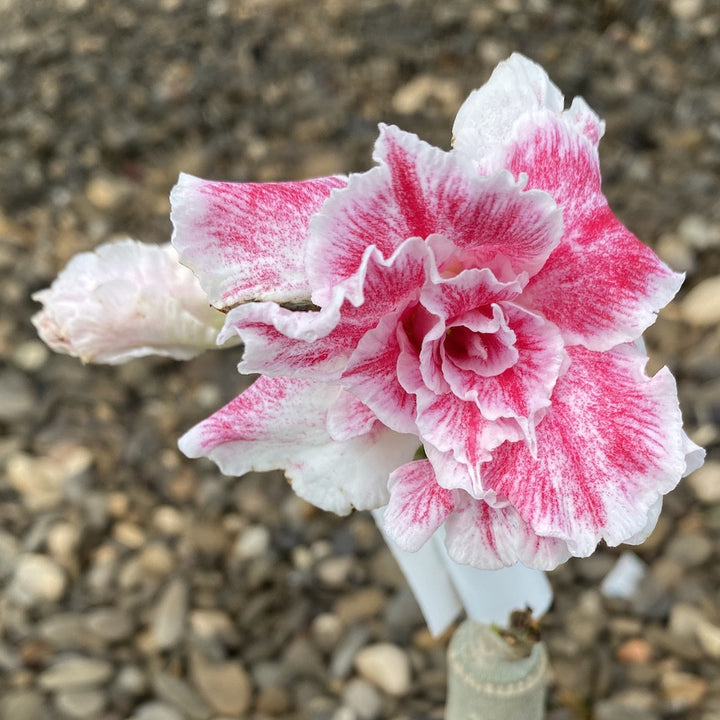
137	584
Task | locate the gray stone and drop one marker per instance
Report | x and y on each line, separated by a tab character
682	691
37	579
708	635
341	661
9	552
253	542
334	571
41	481
617	709
130	680
225	686
176	692
327	630
18	396
363	698
690	549
23	705
156	711
168	623
109	624
705	482
75	672
701	306
65	631
80	703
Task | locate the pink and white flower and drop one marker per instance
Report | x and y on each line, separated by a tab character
452	335
481	305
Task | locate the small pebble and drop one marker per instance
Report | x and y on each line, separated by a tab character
80	704
225	686
253	542
181	695
343	656
75	672
110	624
360	605
157	559
129	535
31	355
635	651
18	396
682	690
25	704
273	701
386	666
156	711
690	549
169	615
9	553
701	306
363	698
63	540
168	521
705	482
333	572
327	629
209	624
37	579
708	636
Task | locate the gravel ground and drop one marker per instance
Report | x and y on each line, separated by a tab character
137	584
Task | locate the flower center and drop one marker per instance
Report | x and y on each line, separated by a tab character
481	343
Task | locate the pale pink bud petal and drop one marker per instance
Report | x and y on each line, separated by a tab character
124	300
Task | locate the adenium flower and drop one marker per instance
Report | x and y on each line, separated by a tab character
452	334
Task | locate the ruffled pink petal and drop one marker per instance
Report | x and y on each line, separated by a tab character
349	418
125	300
524	388
601	286
470	352
516	88
372	375
471	289
246	241
290	343
282	342
453	475
282	423
418	506
421	191
610	445
453	425
491	538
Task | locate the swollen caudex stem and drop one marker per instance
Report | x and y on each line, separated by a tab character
489	678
